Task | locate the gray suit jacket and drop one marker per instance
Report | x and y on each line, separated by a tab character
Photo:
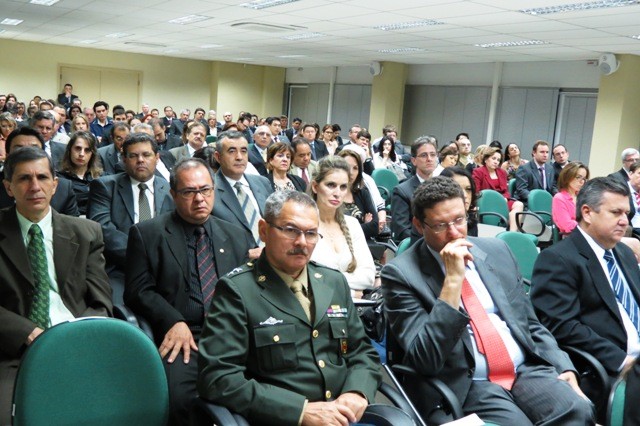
111	205
528	179
401	224
226	205
434	336
180	152
109	158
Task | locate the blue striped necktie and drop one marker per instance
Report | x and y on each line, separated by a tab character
623	293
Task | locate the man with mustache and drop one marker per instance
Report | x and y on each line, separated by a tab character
175	261
118	201
282	343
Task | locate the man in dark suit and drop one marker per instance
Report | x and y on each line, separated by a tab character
629	156
177	126
318	148
44	122
169	116
258	152
233	186
276	130
292	131
111	155
586	288
282	342
458	310
63	200
560	159
118	201
424	157
67	97
51	265
165	142
536	174
170	282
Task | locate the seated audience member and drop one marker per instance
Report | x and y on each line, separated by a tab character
7	125
240	197
389	132
80	165
464	148
111	155
288	304
303	166
208	155
51	265
164	166
102	124
464	179
634	198
363	140
629	156
164	140
63	200
330	142
258	152
179	257
278	162
195	134
318	148
387	158
44	122
119	201
491	176
457	308
512	160
560	159
563	207
342	235
80	123
536	174
477	159
358	202
424	157
586	288
447	157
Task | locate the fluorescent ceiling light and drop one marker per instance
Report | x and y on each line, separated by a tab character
601	4
406	25
304	36
88	41
210	46
512	43
637	37
263	4
189	19
118	35
291	56
142	44
401	50
245	59
44	2
9	21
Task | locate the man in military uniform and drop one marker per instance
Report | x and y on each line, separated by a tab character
282	343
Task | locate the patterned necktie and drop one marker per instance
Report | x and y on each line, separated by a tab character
296	288
305	178
206	266
488	340
249	211
144	211
39	313
541	169
623	294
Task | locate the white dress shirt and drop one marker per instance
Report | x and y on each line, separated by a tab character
136	195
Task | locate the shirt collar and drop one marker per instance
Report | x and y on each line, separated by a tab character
288	279
45	224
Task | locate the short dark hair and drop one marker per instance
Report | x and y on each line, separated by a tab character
275	202
22	131
423	140
134	138
433	191
460	135
538	143
22	155
270	120
206	153
118	125
100	103
593	191
364	133
297	120
299	141
185	164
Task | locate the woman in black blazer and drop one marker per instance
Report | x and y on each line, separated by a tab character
278	162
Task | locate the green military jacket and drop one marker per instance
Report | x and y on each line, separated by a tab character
261	357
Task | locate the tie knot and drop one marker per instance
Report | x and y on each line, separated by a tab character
238	186
296	286
541	168
608	256
142	186
35	231
199	231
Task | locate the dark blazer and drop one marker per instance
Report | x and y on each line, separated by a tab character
259	353
528	178
256	159
177	127
297	182
290	133
79	264
63	200
320	149
109	157
111	205
573	298
401	210
621	175
65	100
434	336
57	153
226	205
167	122
171	141
157	282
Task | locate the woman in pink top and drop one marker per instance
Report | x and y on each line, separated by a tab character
563	208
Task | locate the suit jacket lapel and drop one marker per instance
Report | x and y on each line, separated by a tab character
160	191
64	250
228	197
12	244
177	244
126	194
219	239
322	293
259	195
631	280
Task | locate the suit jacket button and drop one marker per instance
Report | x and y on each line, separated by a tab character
276	338
321	364
315	334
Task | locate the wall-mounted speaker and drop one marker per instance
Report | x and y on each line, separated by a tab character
608	63
375	68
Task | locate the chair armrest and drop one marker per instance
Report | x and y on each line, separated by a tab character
124	313
503	220
589	367
520	223
205	413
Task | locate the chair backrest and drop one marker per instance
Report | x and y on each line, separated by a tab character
524	250
540	201
512	186
495	204
97	371
615	409
385	178
404	244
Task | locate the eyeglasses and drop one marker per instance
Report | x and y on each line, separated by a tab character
189	194
424	155
293	233
145	155
441	227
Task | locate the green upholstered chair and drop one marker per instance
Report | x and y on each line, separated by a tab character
615	408
524	250
91	371
385	180
512	186
493	208
404	244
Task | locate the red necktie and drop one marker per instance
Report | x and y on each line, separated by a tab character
305	178
501	369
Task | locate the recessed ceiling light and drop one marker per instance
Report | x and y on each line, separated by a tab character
304	36
291	56
245	59
9	21
405	25
601	4
118	35
143	44
210	46
171	51
88	41
401	50
512	43
637	37
263	4
189	19
44	2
